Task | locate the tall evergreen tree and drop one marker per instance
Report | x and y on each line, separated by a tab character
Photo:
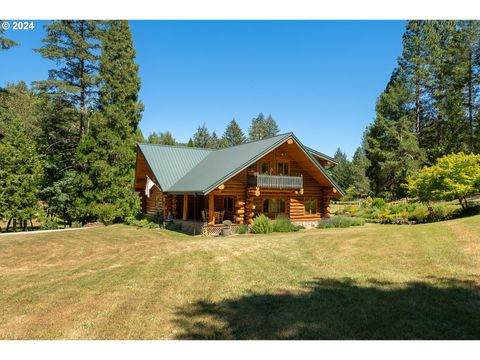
272	126
342	172
73	45
391	143
162	138
262	128
233	134
5	43
360	184
413	64
107	154
202	137
20	170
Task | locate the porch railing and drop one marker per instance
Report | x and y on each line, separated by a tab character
276	181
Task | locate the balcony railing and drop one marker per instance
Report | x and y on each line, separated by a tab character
276	181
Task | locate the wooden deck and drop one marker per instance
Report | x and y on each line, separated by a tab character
203	228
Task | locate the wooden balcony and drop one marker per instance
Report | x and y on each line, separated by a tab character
275	181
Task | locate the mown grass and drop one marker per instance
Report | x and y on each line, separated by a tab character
119	282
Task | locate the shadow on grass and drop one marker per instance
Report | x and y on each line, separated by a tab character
439	308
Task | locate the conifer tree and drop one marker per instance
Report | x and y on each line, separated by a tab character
202	137
107	154
163	138
391	143
5	43
360	184
233	134
20	171
342	172
73	45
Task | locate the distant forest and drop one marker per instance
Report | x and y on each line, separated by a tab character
67	143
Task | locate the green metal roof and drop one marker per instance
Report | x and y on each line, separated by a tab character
195	170
170	163
321	155
220	165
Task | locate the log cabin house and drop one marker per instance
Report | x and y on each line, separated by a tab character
278	175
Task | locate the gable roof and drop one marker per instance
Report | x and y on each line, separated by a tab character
170	163
194	170
321	155
220	165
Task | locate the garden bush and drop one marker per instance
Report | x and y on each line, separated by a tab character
283	224
49	224
378	203
262	225
106	213
242	229
340	222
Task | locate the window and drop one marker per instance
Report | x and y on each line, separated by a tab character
310	206
274	205
228	204
282	168
264	167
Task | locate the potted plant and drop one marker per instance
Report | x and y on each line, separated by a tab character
227	230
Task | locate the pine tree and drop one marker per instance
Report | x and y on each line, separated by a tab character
391	143
73	45
413	64
360	187
272	126
20	171
5	43
165	138
107	154
233	134
342	172
202	138
190	143
463	66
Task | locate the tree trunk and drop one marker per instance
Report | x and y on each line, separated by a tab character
8	224
31	223
470	99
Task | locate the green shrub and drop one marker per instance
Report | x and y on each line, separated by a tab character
343	222
242	229
76	224
283	224
262	225
49	224
106	213
340	222
325	224
378	203
227	223
420	213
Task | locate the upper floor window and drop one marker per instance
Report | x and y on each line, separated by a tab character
283	168
265	167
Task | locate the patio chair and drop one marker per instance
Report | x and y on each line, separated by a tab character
216	215
205	215
222	215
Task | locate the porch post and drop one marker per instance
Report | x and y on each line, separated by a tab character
185	206
211	215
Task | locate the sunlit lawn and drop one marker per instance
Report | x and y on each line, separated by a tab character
119	282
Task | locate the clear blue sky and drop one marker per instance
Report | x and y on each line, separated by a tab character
319	79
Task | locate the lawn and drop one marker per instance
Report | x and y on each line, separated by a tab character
119	282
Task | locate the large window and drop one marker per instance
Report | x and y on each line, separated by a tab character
310	206
265	167
228	204
283	168
274	205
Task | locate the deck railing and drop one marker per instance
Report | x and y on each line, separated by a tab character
276	181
